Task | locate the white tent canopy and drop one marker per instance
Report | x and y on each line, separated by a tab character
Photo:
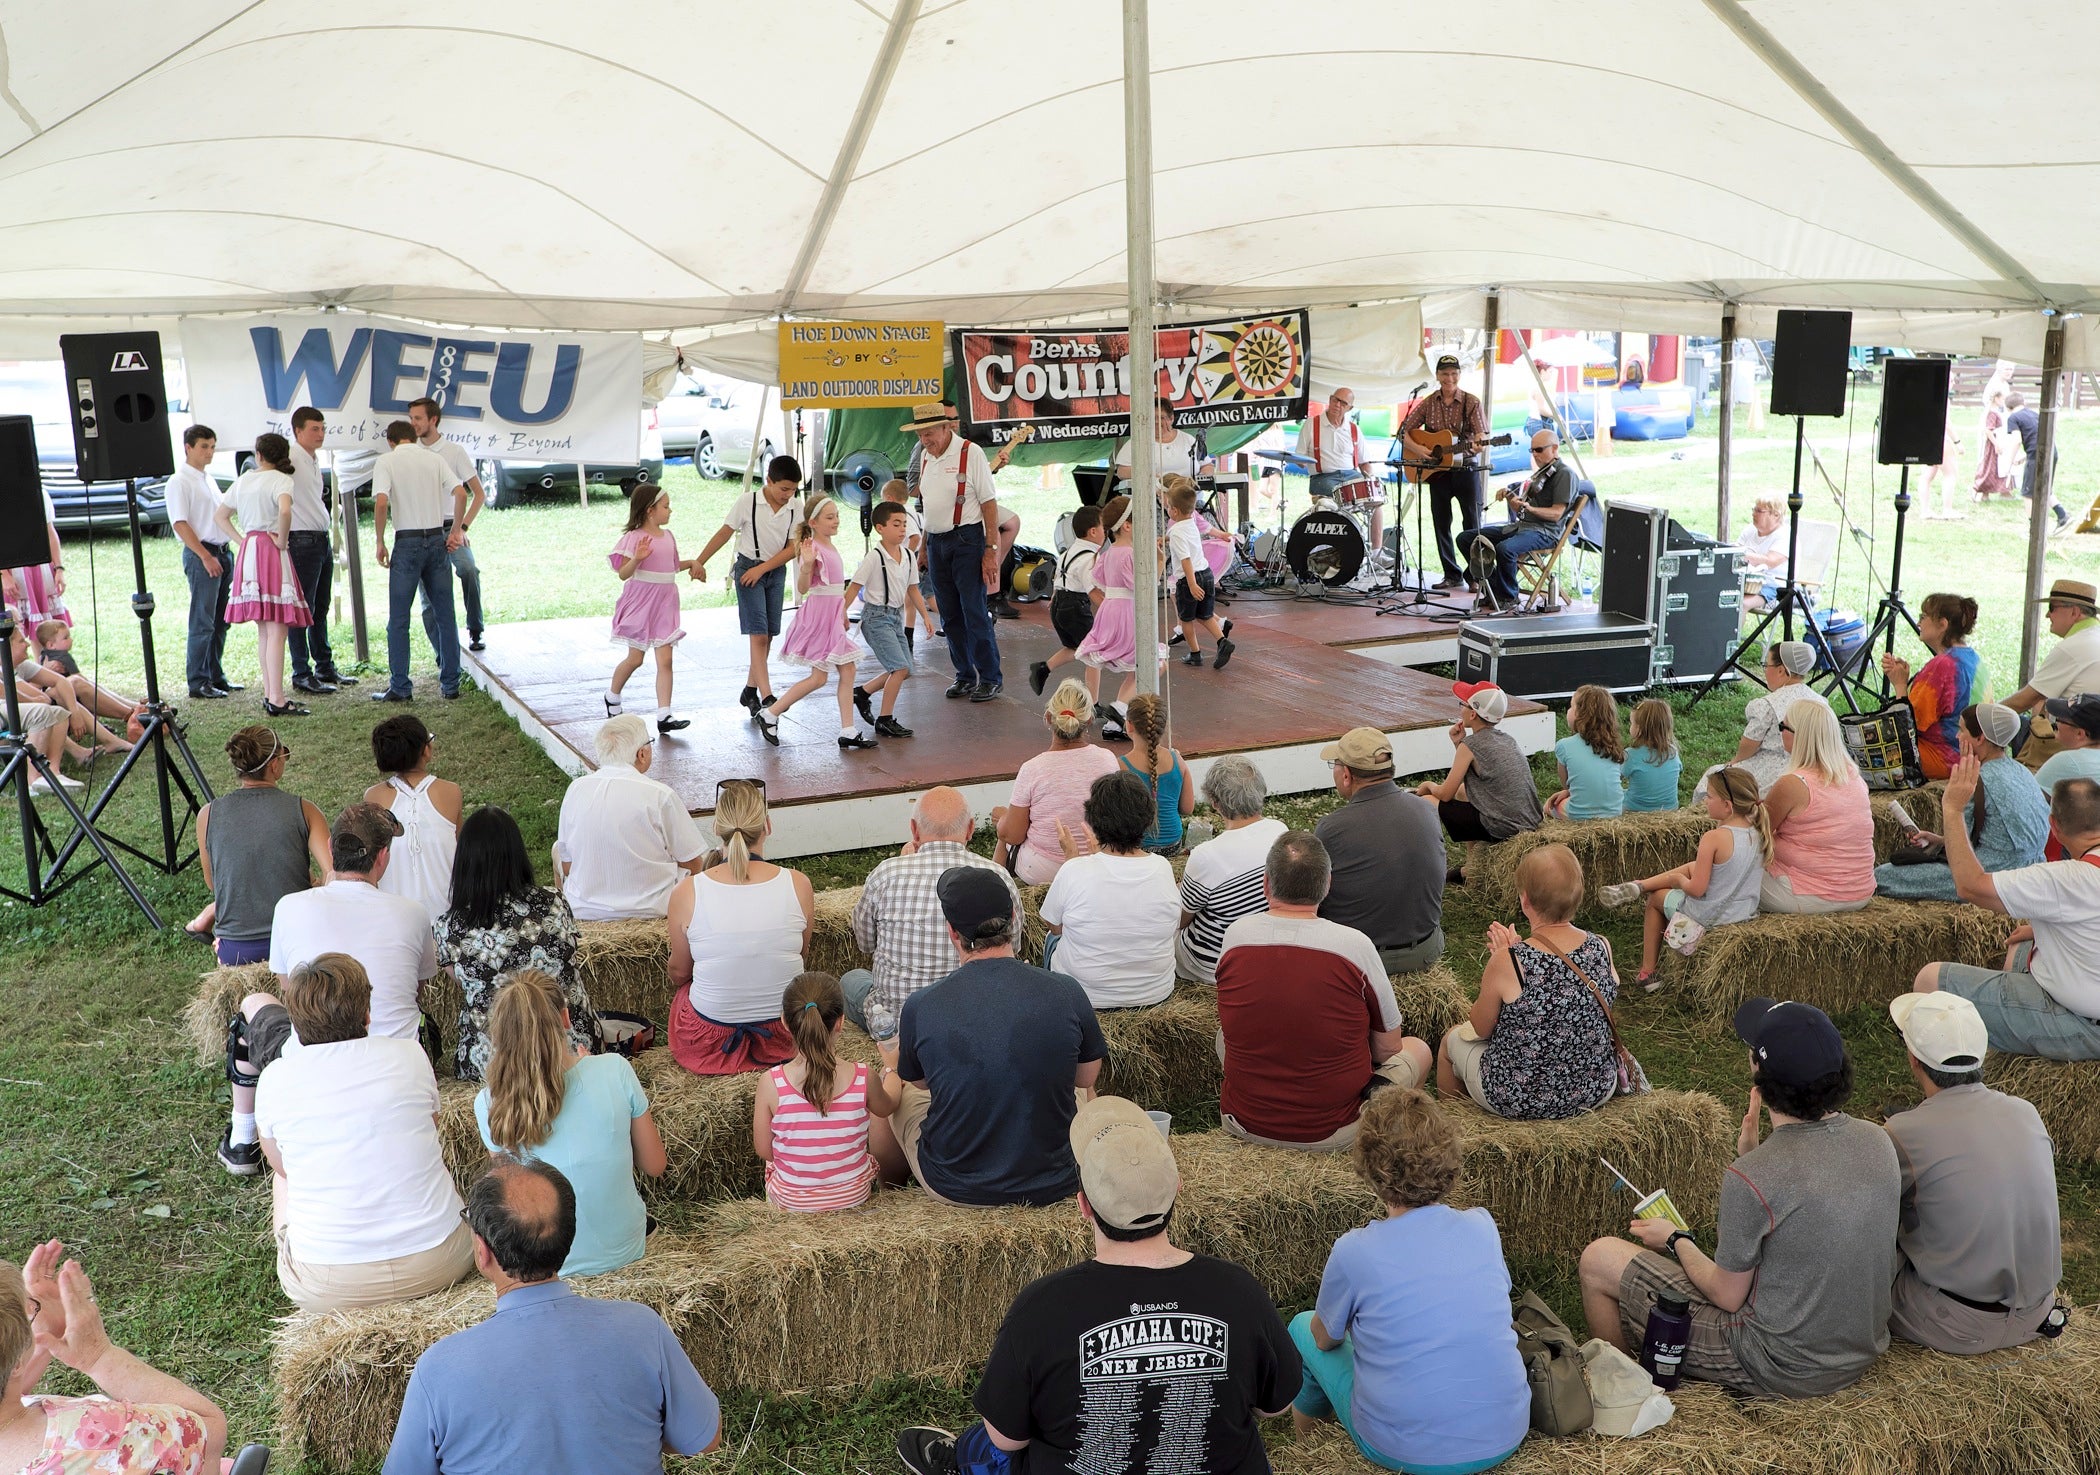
643	165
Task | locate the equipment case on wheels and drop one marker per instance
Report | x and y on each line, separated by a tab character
1551	655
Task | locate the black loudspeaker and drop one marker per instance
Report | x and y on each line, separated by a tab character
1913	411
119	405
23	539
1808	362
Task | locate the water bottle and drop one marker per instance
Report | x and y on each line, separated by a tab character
882	1023
1669	1330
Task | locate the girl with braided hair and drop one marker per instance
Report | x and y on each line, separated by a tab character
1173	797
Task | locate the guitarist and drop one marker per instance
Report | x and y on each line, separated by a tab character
1335	446
1459	412
1536	510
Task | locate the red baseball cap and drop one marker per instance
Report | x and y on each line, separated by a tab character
1488	700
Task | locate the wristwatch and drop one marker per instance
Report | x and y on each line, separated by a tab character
1670	1244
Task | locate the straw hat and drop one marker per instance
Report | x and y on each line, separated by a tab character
2072	591
932	415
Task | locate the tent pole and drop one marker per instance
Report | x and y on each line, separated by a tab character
353	564
1722	511
1144	377
1487	376
2044	497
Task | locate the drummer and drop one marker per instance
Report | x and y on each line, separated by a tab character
1335	446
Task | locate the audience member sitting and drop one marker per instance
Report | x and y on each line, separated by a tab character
266	845
1540	1043
1145	1358
819	1123
361	1201
897	919
1822	822
1488	795
739	930
1981	1244
624	837
1949	683
1763	750
1592	759
143	1419
552	1380
992	1061
1764	547
1051	788
586	1115
1808	1221
1386	855
2007	822
47	727
2046	999
1165	778
1222	881
429	810
2077	752
1112	910
1652	762
500	922
1409	1344
1307	1022
1722	883
57	678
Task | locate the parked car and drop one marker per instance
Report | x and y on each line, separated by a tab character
713	425
508	482
37	389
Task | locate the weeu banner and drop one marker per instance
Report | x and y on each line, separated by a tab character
1074	384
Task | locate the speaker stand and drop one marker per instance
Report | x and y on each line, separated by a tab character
1892	606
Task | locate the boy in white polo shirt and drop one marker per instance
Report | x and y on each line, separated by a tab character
887	582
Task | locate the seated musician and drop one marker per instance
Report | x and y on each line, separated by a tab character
1335	446
1535	512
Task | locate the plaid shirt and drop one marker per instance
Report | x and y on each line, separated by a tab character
898	919
1461	414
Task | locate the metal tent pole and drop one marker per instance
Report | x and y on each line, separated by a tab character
2044	498
1722	510
1137	270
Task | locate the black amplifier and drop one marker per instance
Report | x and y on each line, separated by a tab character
1551	655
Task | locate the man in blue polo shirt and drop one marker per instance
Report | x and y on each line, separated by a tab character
552	1381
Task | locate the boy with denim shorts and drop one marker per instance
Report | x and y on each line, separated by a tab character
1195	587
887	583
763	524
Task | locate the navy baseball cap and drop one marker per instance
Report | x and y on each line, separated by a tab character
2082	712
1795	1044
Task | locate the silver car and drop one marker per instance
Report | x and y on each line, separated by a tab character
714	423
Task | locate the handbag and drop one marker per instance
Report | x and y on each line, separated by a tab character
1632	1079
624	1034
1560	1396
1884	745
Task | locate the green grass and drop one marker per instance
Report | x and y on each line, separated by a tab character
105	1121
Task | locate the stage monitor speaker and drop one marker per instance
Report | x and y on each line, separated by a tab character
119	405
23	538
1913	412
1809	356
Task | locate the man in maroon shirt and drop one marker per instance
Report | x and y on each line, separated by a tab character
1461	413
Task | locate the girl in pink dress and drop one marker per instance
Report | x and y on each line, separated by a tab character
265	587
646	618
1112	644
818	638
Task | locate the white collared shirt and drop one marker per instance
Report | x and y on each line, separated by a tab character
883	580
456	460
194	498
937	487
762	530
624	837
309	512
418	486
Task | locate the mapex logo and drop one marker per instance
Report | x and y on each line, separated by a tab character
408	366
130	360
1333	527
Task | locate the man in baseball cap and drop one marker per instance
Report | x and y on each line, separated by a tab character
1808	1220
1500	798
2077	752
2072	667
1385	854
1144	1318
1458	414
1982	1246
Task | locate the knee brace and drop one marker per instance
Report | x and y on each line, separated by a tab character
237	1070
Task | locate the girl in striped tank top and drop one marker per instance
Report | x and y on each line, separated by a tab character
815	1122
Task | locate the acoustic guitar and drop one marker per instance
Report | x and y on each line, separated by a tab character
1439	448
1005	453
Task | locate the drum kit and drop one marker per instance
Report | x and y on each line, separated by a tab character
1329	543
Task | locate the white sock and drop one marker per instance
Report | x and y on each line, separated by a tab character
243	1127
847	732
1122	712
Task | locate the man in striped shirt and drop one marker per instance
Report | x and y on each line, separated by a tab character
898	917
1223	881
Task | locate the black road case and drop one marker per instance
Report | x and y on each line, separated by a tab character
1551	655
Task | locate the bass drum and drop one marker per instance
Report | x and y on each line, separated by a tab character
1325	547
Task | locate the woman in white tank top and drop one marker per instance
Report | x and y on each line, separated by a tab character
428	810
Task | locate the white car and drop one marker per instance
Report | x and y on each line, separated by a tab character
714	423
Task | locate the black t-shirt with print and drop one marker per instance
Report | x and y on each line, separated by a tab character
1119	1368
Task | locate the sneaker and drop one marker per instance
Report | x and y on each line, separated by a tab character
1620	894
68	783
926	1451
891	727
613	707
858	740
987	691
1225	650
38	788
242	1159
965	686
1650	982
863	705
672	724
1038	677
1193	658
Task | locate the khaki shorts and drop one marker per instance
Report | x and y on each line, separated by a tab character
1463	1051
1399	1071
316	1287
1919	1313
908	1122
1708	1357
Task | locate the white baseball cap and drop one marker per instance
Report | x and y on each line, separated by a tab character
1489	702
1943	1030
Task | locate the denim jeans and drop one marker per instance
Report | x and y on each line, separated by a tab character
207	628
469	572
1511	541
314	564
420	562
957	563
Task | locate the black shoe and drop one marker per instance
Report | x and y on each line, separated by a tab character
1225	650
1176	638
858	740
1038	677
999	609
926	1451
311	686
1454	877
289	709
987	691
768	726
1113	731
748	700
863	705
207	693
672	724
334	678
964	686
890	727
613	705
2062	517
1193	658
391	696
242	1159
911	637
1225	631
228	688
1452	581
450	696
476	644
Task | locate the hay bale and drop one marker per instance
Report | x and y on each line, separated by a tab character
2065	1092
1431	1001
1611	850
1848	960
1165	1056
2032	1411
218	998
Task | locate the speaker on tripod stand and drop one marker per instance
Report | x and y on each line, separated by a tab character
1913	432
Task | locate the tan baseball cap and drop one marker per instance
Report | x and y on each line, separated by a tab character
1125	1165
1943	1030
1365	749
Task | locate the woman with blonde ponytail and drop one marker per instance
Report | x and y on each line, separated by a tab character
1050	789
738	932
818	1122
1721	884
583	1114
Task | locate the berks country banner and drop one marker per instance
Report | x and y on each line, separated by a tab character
1074	383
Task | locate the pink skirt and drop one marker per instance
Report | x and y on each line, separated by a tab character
818	637
265	588
647	616
40	601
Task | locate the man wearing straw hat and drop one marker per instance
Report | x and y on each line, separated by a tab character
1135	1359
2072	667
962	547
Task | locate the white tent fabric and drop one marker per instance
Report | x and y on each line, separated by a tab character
642	165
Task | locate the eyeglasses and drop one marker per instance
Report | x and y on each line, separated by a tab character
1784	728
723	783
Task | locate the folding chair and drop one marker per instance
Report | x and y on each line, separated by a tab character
1538	573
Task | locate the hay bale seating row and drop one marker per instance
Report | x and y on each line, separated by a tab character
2034	1410
912	1287
1839	962
2065	1092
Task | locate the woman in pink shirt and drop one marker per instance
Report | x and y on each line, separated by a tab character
1051	788
1822	821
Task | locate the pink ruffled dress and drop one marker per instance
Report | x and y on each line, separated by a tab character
818	637
265	587
1112	644
647	614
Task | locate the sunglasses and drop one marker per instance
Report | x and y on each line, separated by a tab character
723	783
1783	727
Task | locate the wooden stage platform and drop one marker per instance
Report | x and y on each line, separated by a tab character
1303	672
